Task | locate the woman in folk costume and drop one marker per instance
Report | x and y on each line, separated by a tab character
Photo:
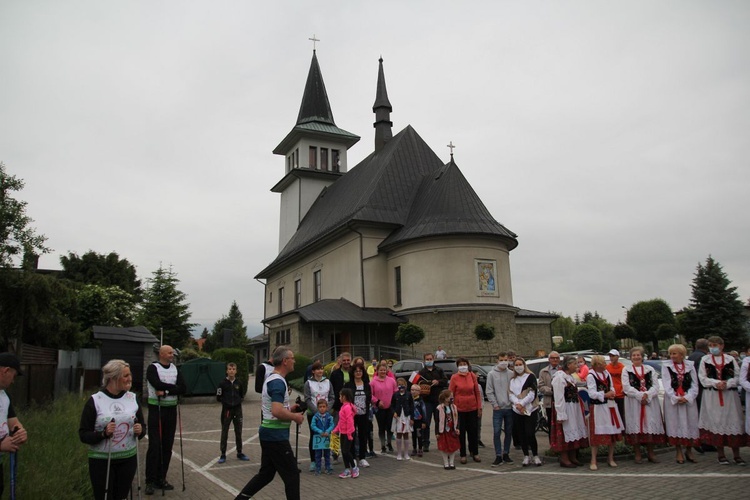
680	406
605	422
111	425
720	419
643	420
568	431
745	383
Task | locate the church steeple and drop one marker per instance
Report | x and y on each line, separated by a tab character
382	109
315	106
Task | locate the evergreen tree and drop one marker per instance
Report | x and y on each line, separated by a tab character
232	321
164	307
716	308
105	270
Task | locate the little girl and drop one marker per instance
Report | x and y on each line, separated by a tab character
402	406
446	429
345	429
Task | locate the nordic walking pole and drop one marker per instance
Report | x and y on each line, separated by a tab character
161	451
13	467
182	456
138	462
109	461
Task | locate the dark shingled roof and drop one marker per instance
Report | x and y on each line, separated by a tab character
445	205
527	313
343	311
315	117
131	334
380	189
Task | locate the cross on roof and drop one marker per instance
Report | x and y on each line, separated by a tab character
314	41
451	147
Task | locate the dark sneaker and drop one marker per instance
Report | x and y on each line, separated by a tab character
481	444
166	486
222	459
498	461
242	456
149	489
507	459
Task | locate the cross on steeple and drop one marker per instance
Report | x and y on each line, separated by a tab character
314	41
451	147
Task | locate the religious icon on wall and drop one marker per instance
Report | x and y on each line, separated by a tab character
486	278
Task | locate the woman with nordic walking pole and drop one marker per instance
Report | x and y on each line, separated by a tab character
110	425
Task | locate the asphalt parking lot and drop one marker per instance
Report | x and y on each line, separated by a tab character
424	477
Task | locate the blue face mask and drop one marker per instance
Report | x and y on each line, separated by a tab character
715	351
429	363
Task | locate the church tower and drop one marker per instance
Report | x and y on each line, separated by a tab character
314	152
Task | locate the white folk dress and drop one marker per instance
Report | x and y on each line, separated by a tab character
720	422
681	419
643	423
745	383
568	427
605	422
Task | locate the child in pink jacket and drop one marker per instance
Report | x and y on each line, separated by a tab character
345	429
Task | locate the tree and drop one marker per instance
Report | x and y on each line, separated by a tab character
105	270
587	336
485	333
563	326
716	308
409	334
623	331
609	340
17	238
104	306
233	322
164	308
646	317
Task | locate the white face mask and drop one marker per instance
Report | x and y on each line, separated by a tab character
503	365
519	369
463	368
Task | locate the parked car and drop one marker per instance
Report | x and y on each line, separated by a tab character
406	367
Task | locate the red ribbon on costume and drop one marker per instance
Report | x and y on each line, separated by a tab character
680	376
613	416
719	373
642	379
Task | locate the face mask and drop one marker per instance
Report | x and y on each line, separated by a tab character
715	351
463	368
402	388
519	369
503	365
429	363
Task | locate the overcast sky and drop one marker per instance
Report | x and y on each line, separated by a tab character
612	137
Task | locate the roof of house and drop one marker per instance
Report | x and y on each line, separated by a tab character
343	311
130	334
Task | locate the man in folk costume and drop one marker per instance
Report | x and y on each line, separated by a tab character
720	419
568	430
680	402
643	420
165	383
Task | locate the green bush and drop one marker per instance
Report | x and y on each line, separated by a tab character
189	353
301	363
238	357
54	462
587	336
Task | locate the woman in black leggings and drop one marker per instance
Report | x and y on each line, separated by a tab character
523	397
360	387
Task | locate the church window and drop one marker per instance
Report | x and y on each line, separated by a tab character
335	160
313	157
317	285
283	337
281	300
297	293
398	285
324	159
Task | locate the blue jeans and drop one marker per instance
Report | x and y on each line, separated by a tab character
500	419
430	410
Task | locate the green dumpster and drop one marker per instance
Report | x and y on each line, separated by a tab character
202	376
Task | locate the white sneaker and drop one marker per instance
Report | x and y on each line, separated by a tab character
364	463
407	457
537	460
525	461
399	457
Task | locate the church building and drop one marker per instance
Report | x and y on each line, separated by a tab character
400	237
